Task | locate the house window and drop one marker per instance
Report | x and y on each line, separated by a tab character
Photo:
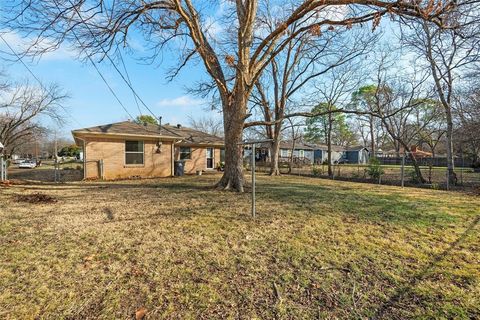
222	155
284	153
134	152
301	153
185	153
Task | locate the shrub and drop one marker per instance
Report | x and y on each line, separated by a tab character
316	171
413	176
375	170
476	166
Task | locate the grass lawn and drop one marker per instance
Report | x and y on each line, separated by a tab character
175	248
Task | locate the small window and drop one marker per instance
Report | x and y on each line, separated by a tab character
283	153
222	155
134	152
185	153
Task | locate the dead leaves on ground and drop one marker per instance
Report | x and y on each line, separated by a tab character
35	198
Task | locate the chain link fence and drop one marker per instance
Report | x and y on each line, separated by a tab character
436	177
48	171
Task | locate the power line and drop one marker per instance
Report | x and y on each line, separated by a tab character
108	57
98	70
128	78
35	77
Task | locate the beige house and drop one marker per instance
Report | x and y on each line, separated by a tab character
128	149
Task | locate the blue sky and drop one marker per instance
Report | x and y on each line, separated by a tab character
91	103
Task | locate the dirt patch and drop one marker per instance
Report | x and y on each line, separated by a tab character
36	198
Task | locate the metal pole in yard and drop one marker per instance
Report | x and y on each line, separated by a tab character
3	166
253	144
55	161
403	170
253	180
461	170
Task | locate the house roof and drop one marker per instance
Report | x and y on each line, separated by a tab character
300	145
321	146
356	148
130	128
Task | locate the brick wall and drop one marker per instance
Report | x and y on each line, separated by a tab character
112	151
198	160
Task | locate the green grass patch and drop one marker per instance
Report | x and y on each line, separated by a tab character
180	249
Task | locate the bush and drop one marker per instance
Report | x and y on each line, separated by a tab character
476	166
316	171
374	170
413	176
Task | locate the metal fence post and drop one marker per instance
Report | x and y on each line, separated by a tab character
253	181
461	170
403	170
2	177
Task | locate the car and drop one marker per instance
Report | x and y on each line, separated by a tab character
18	161
28	164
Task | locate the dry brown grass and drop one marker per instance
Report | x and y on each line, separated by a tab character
175	248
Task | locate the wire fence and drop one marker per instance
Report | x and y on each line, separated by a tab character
436	177
48	171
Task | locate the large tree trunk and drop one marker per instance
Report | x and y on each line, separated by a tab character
372	137
452	176
275	153
234	114
274	170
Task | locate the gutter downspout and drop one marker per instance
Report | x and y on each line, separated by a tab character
173	156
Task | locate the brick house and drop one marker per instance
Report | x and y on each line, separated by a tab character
128	149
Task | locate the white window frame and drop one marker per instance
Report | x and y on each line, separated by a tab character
213	158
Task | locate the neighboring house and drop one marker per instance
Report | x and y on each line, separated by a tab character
357	155
315	153
128	149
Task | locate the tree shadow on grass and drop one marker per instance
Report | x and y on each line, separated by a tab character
407	289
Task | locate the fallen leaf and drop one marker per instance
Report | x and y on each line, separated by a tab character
140	314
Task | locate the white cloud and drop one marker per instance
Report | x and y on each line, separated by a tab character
182	101
19	44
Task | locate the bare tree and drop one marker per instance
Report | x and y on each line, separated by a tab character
207	124
403	107
334	90
22	108
467	111
234	62
448	53
285	82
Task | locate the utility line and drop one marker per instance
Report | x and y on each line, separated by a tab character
96	68
108	57
129	81
35	77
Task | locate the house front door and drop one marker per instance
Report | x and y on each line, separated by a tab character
209	158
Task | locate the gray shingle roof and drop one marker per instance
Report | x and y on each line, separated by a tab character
188	135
